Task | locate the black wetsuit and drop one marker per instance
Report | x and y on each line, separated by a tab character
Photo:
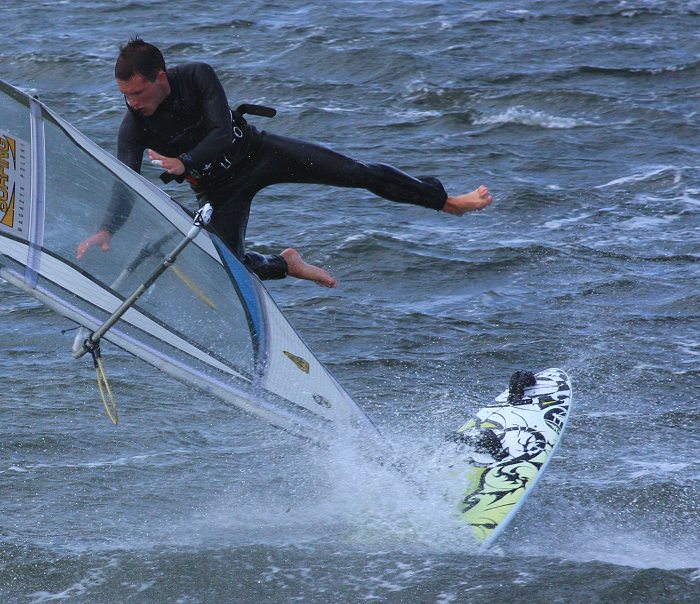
228	161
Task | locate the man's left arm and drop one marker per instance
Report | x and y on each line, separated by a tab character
216	119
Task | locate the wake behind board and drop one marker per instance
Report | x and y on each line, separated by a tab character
514	439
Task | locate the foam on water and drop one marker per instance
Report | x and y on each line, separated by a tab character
532	117
405	499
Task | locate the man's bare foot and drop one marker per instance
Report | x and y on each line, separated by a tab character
296	267
469	202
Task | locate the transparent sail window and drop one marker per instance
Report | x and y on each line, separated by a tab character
194	299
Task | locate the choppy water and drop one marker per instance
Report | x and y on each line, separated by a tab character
582	117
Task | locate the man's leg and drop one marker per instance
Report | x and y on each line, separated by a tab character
469	202
303	270
289	262
289	160
266	266
229	221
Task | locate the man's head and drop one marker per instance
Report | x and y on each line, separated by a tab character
141	76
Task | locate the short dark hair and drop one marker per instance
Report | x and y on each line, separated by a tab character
137	57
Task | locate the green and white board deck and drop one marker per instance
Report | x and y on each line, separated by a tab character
515	439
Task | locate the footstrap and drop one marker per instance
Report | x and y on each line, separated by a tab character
518	382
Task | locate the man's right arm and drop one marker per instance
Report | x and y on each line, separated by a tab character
130	148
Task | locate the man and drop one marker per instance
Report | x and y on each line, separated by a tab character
182	118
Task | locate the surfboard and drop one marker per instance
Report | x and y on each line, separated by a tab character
510	442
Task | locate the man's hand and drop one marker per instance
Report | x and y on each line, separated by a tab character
172	164
101	238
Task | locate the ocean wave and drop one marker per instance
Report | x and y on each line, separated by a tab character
144	459
660	9
596	14
524	116
651	174
218	25
641	71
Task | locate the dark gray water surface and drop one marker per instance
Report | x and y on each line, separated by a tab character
582	117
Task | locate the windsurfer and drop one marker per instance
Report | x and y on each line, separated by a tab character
182	118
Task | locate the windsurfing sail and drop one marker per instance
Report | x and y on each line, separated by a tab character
208	321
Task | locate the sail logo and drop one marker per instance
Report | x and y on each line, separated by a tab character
302	364
13	183
8	166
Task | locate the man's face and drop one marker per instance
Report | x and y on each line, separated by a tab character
145	96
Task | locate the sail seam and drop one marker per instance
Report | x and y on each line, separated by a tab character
38	193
